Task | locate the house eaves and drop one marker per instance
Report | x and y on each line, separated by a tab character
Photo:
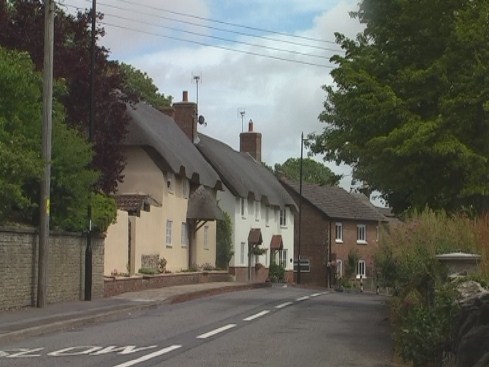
243	175
167	145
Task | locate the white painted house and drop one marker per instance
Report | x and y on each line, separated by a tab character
261	210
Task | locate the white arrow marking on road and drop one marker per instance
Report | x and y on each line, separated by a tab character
72	351
21	353
128	349
255	316
282	305
216	331
302	298
149	356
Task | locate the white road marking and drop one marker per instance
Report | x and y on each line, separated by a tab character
149	356
282	305
216	331
21	353
302	298
316	294
257	315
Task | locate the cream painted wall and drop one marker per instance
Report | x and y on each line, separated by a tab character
175	209
116	242
141	175
205	255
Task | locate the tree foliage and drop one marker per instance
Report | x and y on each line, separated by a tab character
138	83
20	159
312	172
22	24
224	242
410	106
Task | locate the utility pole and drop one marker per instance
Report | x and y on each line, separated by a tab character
88	250
47	127
300	213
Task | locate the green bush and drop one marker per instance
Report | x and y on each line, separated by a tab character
147	271
422	308
276	272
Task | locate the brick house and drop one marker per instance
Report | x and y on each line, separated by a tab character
334	223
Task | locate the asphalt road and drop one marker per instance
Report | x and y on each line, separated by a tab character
264	327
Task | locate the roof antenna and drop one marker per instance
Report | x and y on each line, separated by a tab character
242	112
197	78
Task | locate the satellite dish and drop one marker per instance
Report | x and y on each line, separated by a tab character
202	120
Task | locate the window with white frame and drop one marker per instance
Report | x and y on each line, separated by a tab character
339	232
361	269
339	269
282	257
242	253
257	210
170	182
184	235
267	216
283	217
242	207
361	233
185	188
206	237
169	224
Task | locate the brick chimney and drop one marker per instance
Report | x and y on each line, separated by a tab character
250	142
185	116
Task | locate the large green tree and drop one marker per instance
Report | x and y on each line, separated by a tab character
409	108
20	158
312	172
22	25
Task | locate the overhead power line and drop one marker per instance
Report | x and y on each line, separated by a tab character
132	11
228	23
221	38
217	46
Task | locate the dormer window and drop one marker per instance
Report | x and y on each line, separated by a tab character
283	217
170	182
185	188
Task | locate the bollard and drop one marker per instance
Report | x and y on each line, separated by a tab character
361	283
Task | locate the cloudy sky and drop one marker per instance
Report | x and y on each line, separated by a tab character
265	58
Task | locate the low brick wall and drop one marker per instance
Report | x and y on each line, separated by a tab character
66	267
119	285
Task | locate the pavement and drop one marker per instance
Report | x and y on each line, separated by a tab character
28	322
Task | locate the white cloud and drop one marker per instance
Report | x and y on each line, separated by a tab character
282	98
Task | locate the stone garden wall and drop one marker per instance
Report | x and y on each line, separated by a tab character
66	267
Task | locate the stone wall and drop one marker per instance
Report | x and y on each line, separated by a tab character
470	339
66	267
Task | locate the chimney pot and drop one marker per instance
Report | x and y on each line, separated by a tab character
185	96
250	126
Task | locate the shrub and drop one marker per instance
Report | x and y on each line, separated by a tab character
276	272
147	271
422	308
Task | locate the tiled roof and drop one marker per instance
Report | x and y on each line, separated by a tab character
276	243
152	129
203	206
254	236
243	175
335	202
133	203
